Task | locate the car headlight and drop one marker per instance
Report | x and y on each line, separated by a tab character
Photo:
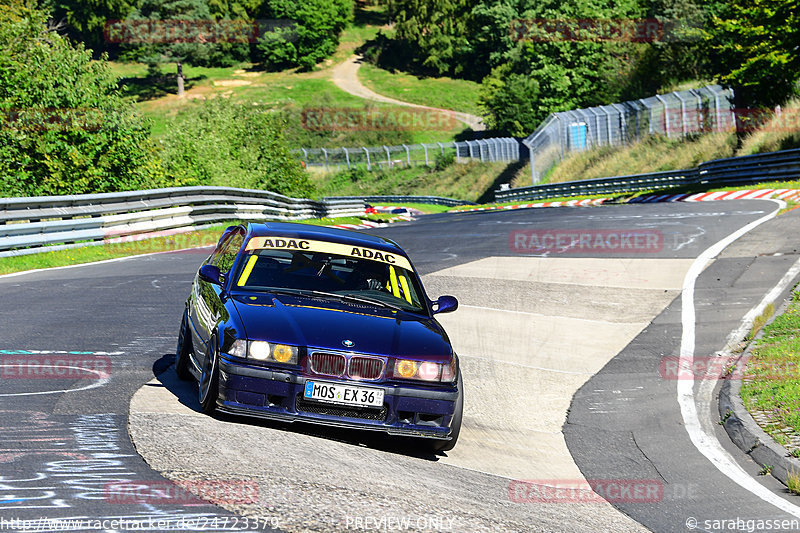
260	350
424	371
270	352
238	348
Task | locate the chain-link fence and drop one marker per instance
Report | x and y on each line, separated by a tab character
674	115
406	155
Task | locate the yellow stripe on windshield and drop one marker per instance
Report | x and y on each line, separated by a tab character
393	281
248	269
406	292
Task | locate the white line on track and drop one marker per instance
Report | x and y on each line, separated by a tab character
705	442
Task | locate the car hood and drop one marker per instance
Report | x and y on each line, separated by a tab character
327	324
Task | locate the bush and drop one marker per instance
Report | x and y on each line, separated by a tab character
313	36
223	143
67	130
442	161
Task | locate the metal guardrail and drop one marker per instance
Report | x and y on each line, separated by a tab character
35	224
435	200
784	165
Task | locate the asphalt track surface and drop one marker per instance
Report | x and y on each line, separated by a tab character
65	440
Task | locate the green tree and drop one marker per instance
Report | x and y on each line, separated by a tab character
758	47
312	33
86	20
66	129
549	71
490	38
184	31
434	31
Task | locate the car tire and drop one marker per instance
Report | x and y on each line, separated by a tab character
455	425
208	386
183	351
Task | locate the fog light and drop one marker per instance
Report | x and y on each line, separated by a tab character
282	353
405	369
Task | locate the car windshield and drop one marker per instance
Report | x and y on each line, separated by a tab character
355	274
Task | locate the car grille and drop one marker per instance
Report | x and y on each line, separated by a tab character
365	368
328	364
364	413
335	364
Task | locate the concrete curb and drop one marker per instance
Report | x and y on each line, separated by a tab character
745	432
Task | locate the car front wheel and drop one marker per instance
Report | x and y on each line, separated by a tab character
209	380
183	351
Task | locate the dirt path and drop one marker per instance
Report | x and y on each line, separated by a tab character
345	76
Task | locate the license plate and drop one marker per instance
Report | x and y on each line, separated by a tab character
343	394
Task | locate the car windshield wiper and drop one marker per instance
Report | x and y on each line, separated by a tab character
374	301
291	292
357	299
345	297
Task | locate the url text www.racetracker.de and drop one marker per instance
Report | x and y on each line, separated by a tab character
151	523
750	525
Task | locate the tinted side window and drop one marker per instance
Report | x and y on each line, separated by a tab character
227	255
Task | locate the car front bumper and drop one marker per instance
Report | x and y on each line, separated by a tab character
278	395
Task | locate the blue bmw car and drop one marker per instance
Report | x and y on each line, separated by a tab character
294	322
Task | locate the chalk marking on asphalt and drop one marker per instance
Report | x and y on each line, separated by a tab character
706	443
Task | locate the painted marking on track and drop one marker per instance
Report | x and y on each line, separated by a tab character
706	443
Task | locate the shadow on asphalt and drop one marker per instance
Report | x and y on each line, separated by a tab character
186	393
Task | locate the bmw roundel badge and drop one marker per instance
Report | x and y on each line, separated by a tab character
348	343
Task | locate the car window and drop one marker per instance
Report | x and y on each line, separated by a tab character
227	252
330	272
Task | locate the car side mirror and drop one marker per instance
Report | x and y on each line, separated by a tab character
211	274
445	304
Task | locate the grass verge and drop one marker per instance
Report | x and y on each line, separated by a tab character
464	181
771	386
444	93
